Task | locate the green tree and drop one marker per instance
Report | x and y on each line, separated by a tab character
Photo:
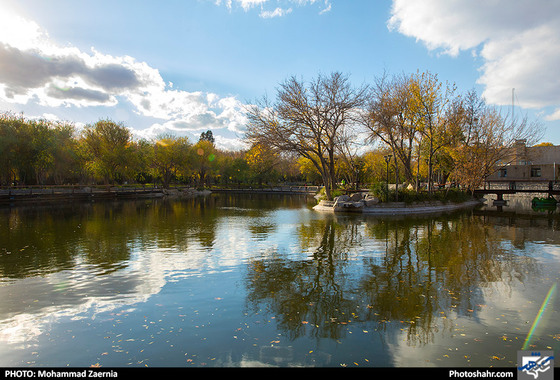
66	164
203	158
170	155
8	143
108	150
36	151
207	136
142	156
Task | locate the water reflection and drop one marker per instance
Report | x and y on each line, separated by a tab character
51	238
315	289
414	271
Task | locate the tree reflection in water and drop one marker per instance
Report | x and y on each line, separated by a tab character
378	272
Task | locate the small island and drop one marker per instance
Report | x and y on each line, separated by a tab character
366	203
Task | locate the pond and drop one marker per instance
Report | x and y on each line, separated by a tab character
263	280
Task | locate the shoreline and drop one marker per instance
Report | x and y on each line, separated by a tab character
396	208
86	193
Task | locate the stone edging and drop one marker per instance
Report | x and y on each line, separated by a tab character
394	208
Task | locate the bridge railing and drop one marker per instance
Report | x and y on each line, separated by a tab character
522	185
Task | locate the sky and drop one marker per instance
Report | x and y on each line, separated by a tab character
187	66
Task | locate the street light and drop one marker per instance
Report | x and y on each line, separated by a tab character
387	159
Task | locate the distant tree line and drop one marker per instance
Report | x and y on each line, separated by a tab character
407	129
42	152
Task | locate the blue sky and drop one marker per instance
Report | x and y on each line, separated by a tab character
188	66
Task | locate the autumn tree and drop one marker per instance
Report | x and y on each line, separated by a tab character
107	149
393	119
309	120
308	170
374	168
487	140
438	109
261	161
170	154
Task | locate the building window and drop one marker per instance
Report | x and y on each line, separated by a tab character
535	172
503	173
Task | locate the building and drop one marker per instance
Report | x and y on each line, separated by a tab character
529	164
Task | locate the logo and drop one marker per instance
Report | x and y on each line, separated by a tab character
535	365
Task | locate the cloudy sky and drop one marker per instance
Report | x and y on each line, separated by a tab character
186	66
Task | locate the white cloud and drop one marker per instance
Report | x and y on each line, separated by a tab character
230	143
224	138
245	4
327	8
518	41
553	116
278	12
33	69
248	4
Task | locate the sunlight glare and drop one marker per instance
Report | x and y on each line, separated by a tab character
19	32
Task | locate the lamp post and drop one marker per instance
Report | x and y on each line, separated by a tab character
387	159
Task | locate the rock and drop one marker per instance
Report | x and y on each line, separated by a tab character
338	203
356	197
370	200
359	204
342	198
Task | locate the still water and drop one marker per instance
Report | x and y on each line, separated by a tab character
228	281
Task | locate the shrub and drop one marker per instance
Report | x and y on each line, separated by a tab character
410	196
334	193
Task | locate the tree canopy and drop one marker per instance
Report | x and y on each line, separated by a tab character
325	131
309	119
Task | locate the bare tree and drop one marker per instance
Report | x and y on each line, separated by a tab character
392	119
309	120
488	140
